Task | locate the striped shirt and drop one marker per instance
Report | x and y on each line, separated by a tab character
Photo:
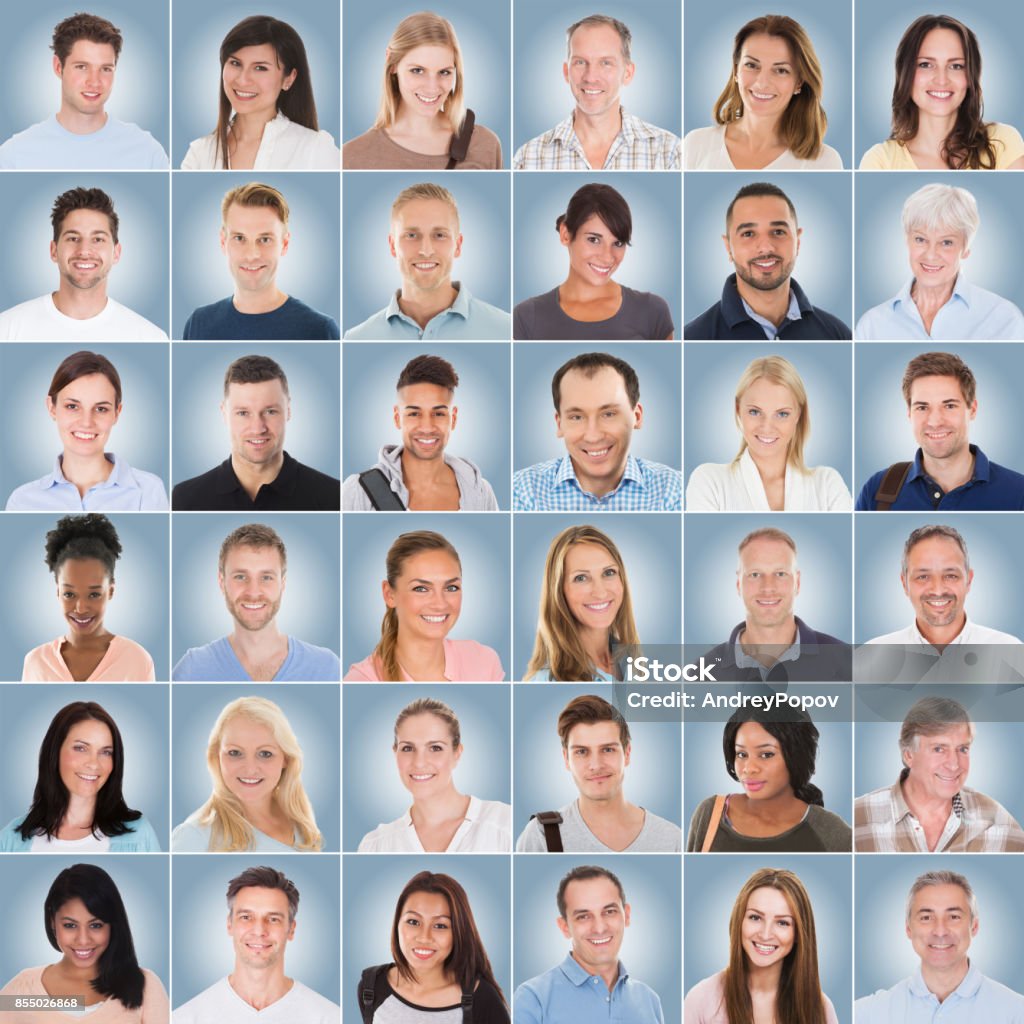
639	146
883	823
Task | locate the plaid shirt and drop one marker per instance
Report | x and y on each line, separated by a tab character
883	822
639	146
552	487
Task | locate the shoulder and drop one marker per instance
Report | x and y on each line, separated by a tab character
531	839
215	999
141	839
153	993
26	497
484	149
705	998
487	1000
190	495
373	328
883	156
1008	141
837	328
385	838
197	664
38	666
364	151
875	320
834	832
201	154
26	982
528	316
319	664
315	326
866	498
10	837
312	1002
213	312
830	489
190	836
364	671
705	490
477	661
700	818
532	147
13	153
707	326
702	146
827	160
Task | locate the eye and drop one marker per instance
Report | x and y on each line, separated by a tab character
611	572
441	926
783	414
266	755
233	752
580	577
453	588
405	748
767	755
618	245
741	755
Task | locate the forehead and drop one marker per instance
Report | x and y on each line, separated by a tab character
936	389
83	572
425	726
595	40
263	53
242	557
770	900
952	735
768	393
587	556
767	49
259	394
87	52
754	734
429	55
254	220
85	222
90	731
255	898
590	894
244	731
767	551
424	395
939	898
92	387
935	552
579	390
761	210
426	214
430	565
942	41
77	909
593	734
427	904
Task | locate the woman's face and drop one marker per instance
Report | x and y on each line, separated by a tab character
85	412
86	758
769	414
768	932
84	589
592	586
595	253
82	938
425	755
935	256
940	73
425	931
251	762
253	80
426	77
427	596
759	764
766	76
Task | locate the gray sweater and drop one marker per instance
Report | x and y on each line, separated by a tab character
820	830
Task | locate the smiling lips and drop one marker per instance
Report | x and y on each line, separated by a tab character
766	262
421	953
428	100
596	453
249	782
83	954
763	948
81	622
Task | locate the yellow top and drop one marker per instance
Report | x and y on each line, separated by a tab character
894	156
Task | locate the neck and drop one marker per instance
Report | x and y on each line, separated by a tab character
940	636
260	987
774	808
419	658
418	127
758	132
246	127
772	305
266	300
596	645
608	974
97	640
763	979
252	477
575	289
930	299
423	306
256	644
601	485
771	468
425	979
81	812
78	123
601	127
423	472
80	303
440	807
85	471
932	131
613	810
951	472
782	635
263	816
942	983
921	804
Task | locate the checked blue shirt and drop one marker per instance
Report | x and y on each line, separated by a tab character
552	486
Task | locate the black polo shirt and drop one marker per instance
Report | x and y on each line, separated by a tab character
297	488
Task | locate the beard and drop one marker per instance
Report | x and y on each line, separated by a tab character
765	282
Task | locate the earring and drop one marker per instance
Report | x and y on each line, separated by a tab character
796	92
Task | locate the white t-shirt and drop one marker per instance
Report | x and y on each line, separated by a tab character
221	1003
88	844
285	146
49	146
972	633
40	320
487	828
704	149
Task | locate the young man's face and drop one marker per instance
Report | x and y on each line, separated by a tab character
596	69
597	760
595	922
253	584
87	76
254	239
426	417
425	242
259	926
762	241
940	416
85	249
256	415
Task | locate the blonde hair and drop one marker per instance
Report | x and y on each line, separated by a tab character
421	29
779	371
425	190
229	829
558	647
255	193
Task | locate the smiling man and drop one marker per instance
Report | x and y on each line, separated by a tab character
596	748
425	241
599	134
597	408
262	909
82	135
948	472
761	300
942	919
251	574
85	248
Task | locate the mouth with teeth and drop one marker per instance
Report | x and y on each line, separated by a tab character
83	954
600	606
247	268
766	441
602	941
600	269
421	777
249	782
766	263
422	953
932	268
84	265
257	443
426	266
87	778
91	95
244	95
937	94
428	100
596	454
82	435
763	948
435	620
761	96
82	621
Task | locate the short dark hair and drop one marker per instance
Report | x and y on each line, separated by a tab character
584	873
935	530
428	370
82	199
254	370
593	20
754	190
264	878
589	709
84	364
84	26
78	537
253	535
588	363
601	201
939	364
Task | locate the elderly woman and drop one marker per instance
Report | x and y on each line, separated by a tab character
938	303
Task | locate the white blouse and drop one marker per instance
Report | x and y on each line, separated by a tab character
487	828
285	146
704	149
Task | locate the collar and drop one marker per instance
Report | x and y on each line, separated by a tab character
579	977
804	642
274	126
901	809
566	472
958	639
967	989
632	128
981	466
226	482
793	313
117	478
733	307
460	306
962	290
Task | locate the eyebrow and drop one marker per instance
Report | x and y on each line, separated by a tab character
80	231
454	579
587	910
577	408
754	224
610	565
742	746
925	56
441	406
764	913
932	910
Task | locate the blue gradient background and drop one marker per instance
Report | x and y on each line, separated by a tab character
139	279
373	884
993	541
483	398
30	614
196	75
824	559
543	97
485	724
713	370
483	33
650	948
202	951
32	90
308	270
823	208
883	952
649	543
141	714
543	783
201	438
710	890
656	364
652	262
482	542
312	712
310	603
485	221
141	881
879	26
709	34
140	436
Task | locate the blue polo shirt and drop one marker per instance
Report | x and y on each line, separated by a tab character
466	319
567	994
992	488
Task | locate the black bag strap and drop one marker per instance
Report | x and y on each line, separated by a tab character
549	821
891	485
459	147
373	991
382	498
467	1008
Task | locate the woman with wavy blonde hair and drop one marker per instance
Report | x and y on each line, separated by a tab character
769	472
258	802
585	609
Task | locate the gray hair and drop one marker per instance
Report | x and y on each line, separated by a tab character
936	530
930	716
625	36
940	208
943	878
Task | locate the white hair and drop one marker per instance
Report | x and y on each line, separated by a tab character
942	208
930	878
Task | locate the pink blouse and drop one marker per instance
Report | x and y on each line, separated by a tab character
125	662
705	1003
155	1008
465	661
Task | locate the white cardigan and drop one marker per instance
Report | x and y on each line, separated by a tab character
704	149
738	488
285	146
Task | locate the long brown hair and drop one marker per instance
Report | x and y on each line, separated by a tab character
968	145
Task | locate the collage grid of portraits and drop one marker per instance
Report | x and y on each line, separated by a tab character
687	594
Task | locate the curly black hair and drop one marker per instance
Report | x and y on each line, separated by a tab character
89	536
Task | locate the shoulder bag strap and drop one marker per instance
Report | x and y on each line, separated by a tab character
716	819
383	499
459	147
891	485
549	821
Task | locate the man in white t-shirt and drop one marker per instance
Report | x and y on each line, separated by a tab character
82	136
85	248
262	905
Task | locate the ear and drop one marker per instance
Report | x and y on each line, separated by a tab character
970	580
903	583
565	758
110	592
391	246
563	926
53	249
728	248
627	75
287	409
565	68
797	576
117	254
224	413
799	232
638	416
291	930
972	409
458	247
974	927
117	412
626	753
284	248
223	239
458	753
290	80
455	415
558	426
397	417
563	235
625	912
908	757
220	583
51	408
389	593
57	69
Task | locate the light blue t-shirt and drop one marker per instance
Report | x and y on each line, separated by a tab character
125	490
117	146
217	662
192	837
466	319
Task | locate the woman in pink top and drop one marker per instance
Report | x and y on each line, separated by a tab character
773	960
81	552
423	594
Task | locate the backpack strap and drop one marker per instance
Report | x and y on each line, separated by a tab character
372	990
458	149
382	498
713	823
891	485
549	821
467	1008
